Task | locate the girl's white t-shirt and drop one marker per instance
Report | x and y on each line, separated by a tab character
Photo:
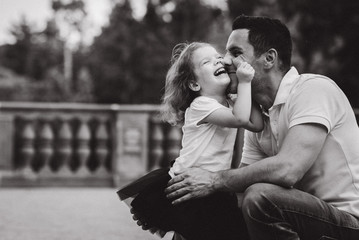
205	145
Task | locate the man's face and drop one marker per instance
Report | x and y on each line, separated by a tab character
238	50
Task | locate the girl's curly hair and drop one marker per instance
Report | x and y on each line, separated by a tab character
178	96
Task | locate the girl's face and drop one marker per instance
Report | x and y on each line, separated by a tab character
210	72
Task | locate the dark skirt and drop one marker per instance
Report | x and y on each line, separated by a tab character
214	217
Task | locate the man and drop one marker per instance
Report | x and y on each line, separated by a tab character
299	177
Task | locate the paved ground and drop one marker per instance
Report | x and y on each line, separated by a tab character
67	214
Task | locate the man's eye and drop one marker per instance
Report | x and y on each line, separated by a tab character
236	53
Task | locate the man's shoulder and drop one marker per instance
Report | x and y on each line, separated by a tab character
314	81
312	76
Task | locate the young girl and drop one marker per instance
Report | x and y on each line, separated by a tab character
196	95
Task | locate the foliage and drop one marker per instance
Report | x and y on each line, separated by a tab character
33	53
328	39
129	60
111	57
38	56
324	35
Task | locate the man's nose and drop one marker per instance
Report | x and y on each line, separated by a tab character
227	60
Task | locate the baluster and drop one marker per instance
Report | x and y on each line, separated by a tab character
157	138
46	151
64	149
101	150
83	148
27	151
174	137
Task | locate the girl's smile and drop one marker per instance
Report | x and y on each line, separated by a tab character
210	73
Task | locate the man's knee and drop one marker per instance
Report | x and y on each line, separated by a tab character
260	199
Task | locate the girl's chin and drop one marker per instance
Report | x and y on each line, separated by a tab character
226	80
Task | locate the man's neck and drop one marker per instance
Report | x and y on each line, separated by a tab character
266	94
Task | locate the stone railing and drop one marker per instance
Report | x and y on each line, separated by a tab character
52	144
48	144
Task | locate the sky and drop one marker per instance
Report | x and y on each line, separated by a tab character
37	12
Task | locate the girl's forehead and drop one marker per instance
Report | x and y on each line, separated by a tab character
204	52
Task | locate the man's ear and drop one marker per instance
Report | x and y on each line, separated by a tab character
270	58
194	86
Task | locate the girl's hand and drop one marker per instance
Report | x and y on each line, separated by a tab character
142	223
245	72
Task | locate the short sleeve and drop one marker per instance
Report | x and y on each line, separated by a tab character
316	100
201	107
251	150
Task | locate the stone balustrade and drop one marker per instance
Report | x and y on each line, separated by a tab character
48	144
58	144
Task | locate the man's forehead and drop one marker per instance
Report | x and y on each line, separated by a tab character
237	38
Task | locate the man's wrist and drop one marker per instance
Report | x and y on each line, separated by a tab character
217	184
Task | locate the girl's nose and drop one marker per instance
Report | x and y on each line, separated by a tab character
219	61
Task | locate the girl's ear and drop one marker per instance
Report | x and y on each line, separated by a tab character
194	86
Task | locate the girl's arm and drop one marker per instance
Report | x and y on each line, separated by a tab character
255	123
243	114
224	117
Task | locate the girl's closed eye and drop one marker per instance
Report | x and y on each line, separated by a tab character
205	62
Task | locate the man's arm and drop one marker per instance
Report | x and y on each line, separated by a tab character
300	149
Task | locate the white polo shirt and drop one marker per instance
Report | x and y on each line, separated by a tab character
310	98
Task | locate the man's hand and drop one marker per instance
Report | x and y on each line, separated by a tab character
189	184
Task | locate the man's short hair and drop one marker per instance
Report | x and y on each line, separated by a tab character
266	33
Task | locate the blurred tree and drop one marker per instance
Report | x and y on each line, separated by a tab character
71	17
238	7
324	34
33	53
327	39
37	59
46	52
129	60
110	57
151	63
191	20
15	56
